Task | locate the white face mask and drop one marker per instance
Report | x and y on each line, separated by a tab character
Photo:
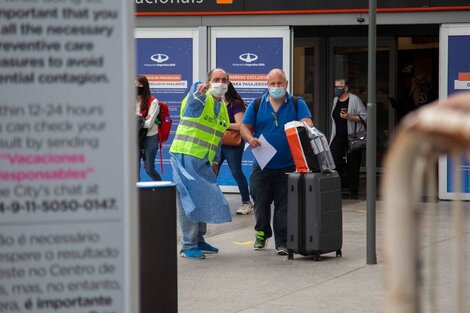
218	89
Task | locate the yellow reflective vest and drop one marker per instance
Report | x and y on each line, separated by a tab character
199	136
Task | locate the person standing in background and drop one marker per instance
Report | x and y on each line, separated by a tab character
346	115
234	154
147	107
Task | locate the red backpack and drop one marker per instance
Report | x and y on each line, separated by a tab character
164	122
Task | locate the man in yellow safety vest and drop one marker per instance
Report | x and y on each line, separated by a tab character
194	154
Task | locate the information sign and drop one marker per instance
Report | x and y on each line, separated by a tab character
67	174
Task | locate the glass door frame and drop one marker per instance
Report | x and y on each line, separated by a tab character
319	111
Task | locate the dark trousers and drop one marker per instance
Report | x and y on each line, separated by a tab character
268	186
347	164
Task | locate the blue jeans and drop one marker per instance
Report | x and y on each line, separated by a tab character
193	232
233	155
150	151
267	186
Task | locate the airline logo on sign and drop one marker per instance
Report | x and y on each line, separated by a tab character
247	60
160	60
248	57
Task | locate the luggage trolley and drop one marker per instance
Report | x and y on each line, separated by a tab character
418	274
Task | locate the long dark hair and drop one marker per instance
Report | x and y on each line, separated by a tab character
145	96
233	97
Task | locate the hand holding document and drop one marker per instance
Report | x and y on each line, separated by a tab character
264	153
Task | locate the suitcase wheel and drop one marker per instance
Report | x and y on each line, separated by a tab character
317	256
339	253
290	255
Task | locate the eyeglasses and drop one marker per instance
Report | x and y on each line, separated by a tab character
275	119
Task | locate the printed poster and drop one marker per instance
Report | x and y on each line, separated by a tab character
168	65
455	77
248	56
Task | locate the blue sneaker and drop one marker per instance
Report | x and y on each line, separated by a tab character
207	248
193	253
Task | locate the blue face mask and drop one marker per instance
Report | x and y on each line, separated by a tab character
277	92
339	92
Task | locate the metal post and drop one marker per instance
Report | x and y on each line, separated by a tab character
371	135
204	63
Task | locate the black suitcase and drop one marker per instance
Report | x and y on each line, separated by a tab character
314	215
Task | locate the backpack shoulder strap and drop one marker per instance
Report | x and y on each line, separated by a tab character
257	103
150	101
296	103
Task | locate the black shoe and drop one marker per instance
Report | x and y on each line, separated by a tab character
282	250
349	194
353	194
345	192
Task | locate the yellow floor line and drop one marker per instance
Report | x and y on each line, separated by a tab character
244	243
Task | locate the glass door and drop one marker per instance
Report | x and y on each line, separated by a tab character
309	77
348	59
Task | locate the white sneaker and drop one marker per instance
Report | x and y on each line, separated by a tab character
245	208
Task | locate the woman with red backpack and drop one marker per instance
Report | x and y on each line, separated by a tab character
147	107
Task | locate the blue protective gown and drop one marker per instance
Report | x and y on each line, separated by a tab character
201	197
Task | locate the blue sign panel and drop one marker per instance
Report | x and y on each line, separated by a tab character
168	65
458	79
458	64
465	169
248	61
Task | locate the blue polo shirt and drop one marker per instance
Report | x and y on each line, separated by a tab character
265	123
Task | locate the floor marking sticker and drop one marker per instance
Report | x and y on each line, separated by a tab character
245	243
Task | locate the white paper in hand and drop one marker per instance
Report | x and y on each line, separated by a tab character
264	153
